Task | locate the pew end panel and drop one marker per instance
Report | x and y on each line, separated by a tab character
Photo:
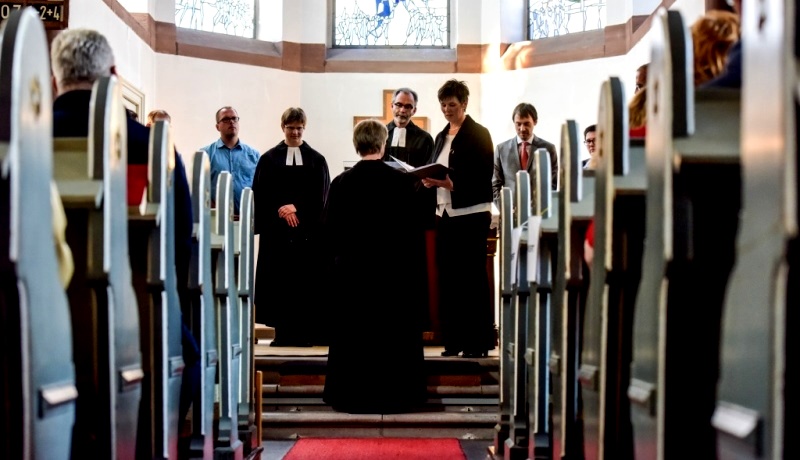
38	378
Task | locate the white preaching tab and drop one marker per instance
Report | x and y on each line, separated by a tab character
399	137
294	157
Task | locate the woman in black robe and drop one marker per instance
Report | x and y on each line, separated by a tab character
373	230
289	188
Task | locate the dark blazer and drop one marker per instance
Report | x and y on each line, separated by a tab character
507	163
470	163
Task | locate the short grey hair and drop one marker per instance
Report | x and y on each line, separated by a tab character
369	136
80	56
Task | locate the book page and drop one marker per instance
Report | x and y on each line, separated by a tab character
402	163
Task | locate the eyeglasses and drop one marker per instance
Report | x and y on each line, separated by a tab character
229	120
399	106
590	141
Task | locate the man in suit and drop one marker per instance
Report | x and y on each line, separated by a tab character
516	153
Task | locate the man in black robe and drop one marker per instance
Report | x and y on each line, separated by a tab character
411	144
290	186
376	360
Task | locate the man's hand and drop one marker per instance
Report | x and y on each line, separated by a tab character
288	213
446	183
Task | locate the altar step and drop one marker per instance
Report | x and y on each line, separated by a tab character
462	399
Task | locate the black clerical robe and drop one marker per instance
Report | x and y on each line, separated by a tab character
288	283
418	149
375	361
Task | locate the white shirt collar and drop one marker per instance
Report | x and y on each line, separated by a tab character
399	137
294	157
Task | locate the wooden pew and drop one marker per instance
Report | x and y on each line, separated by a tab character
203	318
576	207
227	444
516	445
38	376
756	409
91	176
152	249
245	274
692	223
615	274
502	429
542	256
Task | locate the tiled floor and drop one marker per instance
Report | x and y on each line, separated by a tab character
474	449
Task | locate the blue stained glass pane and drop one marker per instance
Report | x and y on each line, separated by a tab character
413	23
231	17
551	18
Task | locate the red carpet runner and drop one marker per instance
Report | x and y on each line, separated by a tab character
376	449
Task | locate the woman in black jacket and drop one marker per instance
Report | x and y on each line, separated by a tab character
464	199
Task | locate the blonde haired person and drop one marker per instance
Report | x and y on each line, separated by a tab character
713	34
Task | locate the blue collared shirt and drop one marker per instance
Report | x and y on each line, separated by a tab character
240	161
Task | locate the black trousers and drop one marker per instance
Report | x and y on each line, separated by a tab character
465	306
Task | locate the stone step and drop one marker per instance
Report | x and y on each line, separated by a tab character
463	422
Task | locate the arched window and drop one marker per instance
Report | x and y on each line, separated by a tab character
231	17
551	18
391	23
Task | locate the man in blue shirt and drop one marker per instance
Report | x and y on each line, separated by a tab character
229	154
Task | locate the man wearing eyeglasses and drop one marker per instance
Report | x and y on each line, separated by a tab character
407	141
589	139
413	145
516	154
228	153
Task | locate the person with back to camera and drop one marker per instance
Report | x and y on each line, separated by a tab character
376	320
290	186
464	200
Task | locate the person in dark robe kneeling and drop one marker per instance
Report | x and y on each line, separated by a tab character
376	358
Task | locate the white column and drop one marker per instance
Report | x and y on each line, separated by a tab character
161	10
620	11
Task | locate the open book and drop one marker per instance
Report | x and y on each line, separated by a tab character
433	170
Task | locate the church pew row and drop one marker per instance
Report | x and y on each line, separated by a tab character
227	444
92	408
542	255
90	175
756	408
38	375
576	208
245	276
202	315
516	445
691	228
615	273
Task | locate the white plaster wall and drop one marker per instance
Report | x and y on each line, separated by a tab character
193	89
134	59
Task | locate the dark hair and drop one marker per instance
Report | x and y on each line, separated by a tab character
454	88
407	91
227	107
525	110
293	115
589	129
131	114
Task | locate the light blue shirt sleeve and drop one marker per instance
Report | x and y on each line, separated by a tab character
240	161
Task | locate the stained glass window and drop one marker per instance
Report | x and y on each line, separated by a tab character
551	18
231	17
414	23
